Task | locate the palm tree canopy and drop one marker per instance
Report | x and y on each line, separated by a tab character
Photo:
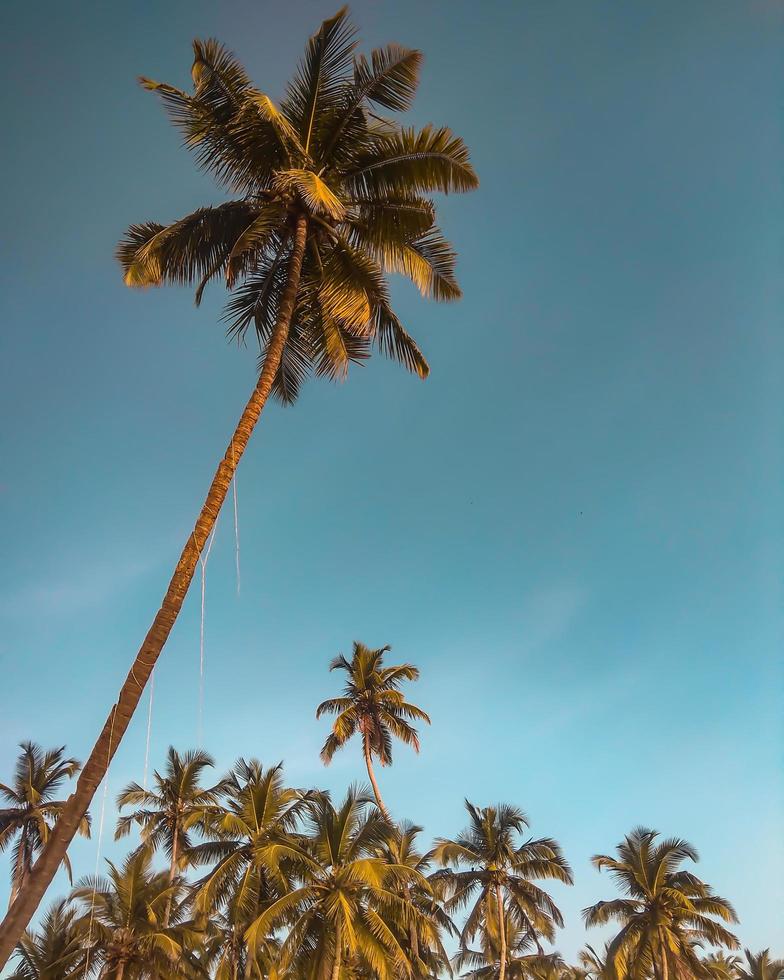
31	807
371	705
489	859
123	920
665	909
176	805
760	966
361	181
55	951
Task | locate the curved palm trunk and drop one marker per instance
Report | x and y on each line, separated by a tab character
372	777
501	932
94	770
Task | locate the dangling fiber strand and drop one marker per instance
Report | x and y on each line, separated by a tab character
149	730
203	561
236	519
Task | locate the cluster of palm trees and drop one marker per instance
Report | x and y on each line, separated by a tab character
263	880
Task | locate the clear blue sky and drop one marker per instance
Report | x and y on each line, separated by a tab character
574	527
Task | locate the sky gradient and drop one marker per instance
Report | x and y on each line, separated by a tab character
574	527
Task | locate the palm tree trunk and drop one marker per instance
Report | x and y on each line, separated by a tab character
372	777
172	873
336	963
501	932
45	867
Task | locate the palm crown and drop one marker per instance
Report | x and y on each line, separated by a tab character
331	197
494	877
666	909
373	707
32	809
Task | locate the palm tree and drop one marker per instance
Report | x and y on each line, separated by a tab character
55	951
721	966
339	915
123	922
497	872
329	199
373	706
760	966
253	837
664	912
423	935
168	814
33	810
521	963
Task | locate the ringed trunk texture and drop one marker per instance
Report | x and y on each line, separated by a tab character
501	932
372	777
44	869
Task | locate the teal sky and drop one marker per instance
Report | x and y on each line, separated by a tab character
574	527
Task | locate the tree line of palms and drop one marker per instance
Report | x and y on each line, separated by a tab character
263	880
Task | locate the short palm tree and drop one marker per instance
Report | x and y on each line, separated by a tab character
721	966
339	916
329	199
32	810
123	922
55	950
373	707
665	909
491	870
760	966
168	814
522	961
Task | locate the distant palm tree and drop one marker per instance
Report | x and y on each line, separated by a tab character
666	909
122	922
34	811
759	966
496	871
330	199
522	962
591	962
373	707
55	950
339	916
721	966
168	814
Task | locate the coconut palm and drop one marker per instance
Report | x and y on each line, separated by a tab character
664	911
329	199
253	839
55	950
178	805
592	963
421	936
123	922
373	707
721	966
28	821
495	870
759	966
339	916
522	961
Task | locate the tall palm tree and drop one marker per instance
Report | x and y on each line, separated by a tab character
168	814
55	950
122	922
338	917
372	706
33	810
760	966
496	871
664	911
329	199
